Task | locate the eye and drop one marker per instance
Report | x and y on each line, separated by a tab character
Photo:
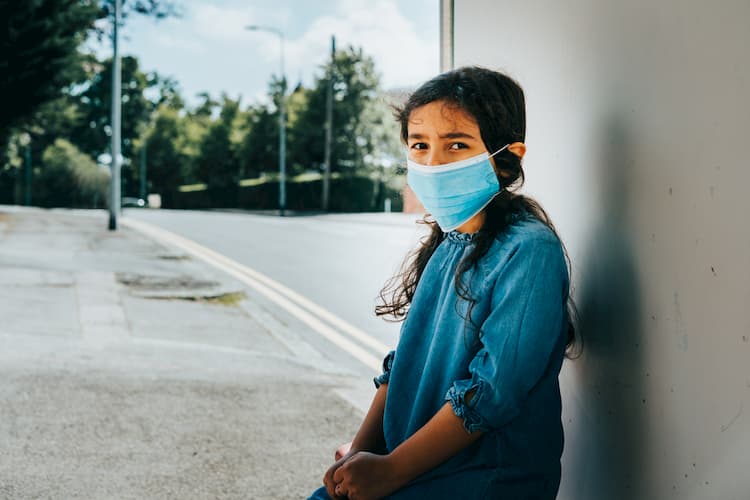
458	145
418	145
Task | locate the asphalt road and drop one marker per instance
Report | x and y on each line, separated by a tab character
339	261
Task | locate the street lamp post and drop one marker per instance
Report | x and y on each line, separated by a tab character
114	200
282	117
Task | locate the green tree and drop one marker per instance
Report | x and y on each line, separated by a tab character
158	9
205	109
386	153
194	130
258	151
38	56
54	119
70	178
41	69
216	162
355	86
165	157
92	132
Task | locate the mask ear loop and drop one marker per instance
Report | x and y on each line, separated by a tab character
490	156
509	145
499	150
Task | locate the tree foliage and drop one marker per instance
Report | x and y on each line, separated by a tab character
216	164
164	153
158	9
258	151
355	85
38	54
58	93
70	178
93	131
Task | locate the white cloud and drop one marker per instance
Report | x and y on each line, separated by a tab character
169	41
227	23
222	23
210	49
401	55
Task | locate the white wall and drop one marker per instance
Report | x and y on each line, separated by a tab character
639	139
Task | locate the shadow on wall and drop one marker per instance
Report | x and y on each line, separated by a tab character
606	433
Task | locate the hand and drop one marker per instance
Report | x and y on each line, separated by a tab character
328	477
342	450
364	476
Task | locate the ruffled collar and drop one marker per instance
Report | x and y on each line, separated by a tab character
459	237
468	238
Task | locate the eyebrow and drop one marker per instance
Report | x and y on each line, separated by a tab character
449	135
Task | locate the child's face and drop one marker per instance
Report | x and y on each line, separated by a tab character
440	133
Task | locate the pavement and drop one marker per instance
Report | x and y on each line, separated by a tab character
131	370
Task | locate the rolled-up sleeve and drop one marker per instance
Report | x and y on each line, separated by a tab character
518	338
384	377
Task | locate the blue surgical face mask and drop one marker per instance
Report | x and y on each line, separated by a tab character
454	192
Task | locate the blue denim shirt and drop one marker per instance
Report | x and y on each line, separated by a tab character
512	361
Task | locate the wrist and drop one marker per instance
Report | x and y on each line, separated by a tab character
355	447
398	469
369	444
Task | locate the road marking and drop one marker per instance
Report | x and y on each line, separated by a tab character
295	304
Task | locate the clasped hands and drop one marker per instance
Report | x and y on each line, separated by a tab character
361	475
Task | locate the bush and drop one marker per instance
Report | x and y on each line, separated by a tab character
70	178
347	194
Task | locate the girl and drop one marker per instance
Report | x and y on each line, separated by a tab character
468	405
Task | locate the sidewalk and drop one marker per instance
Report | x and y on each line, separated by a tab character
133	371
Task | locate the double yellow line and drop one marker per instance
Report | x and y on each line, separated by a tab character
342	334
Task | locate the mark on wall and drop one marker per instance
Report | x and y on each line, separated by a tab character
734	419
682	338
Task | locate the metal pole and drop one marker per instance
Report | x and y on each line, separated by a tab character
27	184
143	170
282	117
329	128
114	202
446	35
282	134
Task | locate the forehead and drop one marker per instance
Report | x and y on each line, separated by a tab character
441	117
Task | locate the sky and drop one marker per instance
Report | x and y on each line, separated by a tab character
208	49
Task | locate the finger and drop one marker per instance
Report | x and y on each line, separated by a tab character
328	476
331	490
329	483
332	469
338	474
340	491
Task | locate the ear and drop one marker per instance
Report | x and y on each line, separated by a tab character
518	149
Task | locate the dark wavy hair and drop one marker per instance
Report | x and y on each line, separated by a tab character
497	104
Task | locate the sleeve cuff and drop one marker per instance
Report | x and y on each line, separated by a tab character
464	410
386	375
